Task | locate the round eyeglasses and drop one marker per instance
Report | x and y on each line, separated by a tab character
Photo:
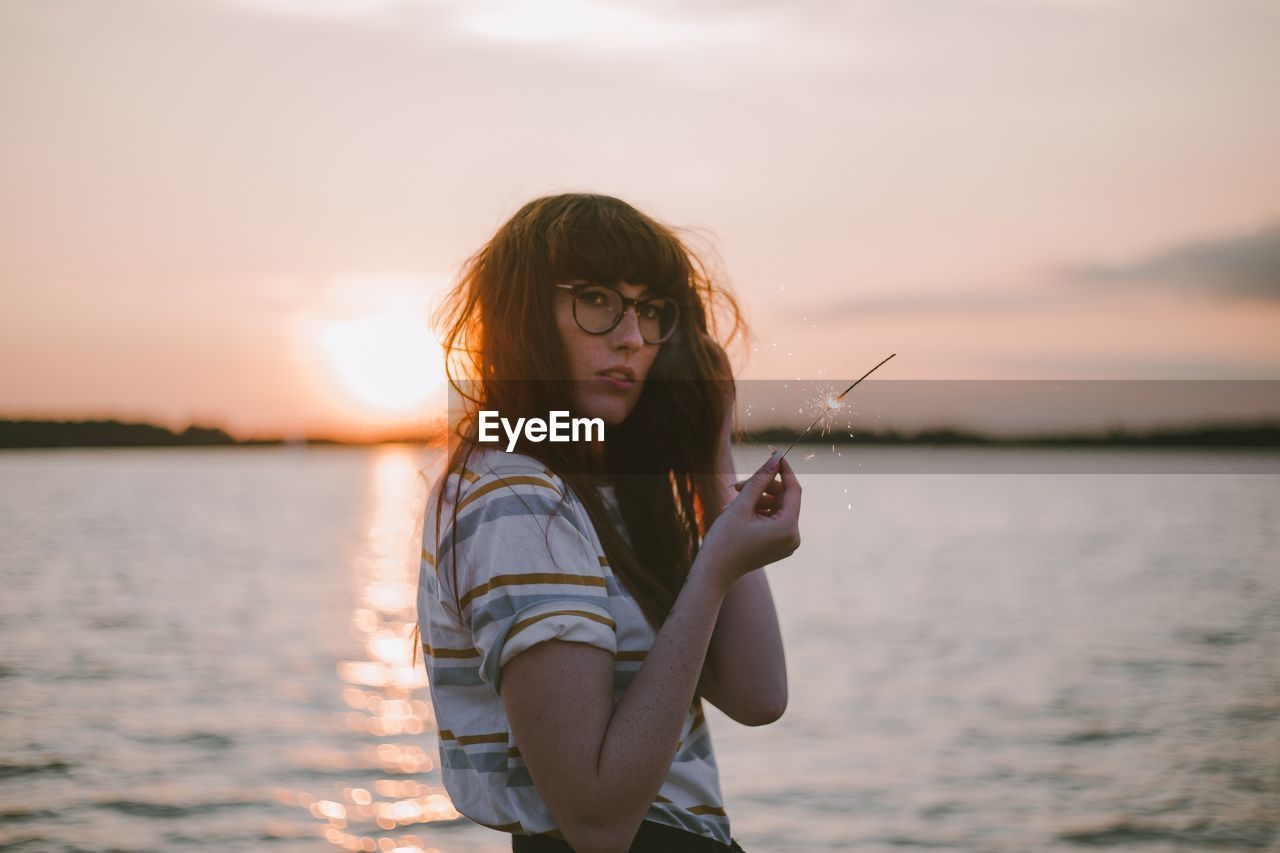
598	309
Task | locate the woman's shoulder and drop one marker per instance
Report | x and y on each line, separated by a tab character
503	509
487	471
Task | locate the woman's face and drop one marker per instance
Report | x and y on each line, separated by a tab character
590	357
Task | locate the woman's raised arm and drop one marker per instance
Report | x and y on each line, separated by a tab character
598	766
745	675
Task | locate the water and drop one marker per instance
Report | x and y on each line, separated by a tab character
205	649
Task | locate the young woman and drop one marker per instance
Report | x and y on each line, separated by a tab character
578	600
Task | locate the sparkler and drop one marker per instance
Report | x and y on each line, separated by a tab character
831	404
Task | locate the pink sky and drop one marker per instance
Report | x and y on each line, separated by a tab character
240	213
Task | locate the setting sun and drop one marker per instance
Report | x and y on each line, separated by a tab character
388	361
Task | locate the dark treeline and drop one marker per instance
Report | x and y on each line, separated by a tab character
15	433
110	433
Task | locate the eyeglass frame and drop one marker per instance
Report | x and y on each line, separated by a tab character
626	303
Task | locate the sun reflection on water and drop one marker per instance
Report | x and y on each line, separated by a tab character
380	690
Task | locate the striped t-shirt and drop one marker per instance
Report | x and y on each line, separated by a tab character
530	569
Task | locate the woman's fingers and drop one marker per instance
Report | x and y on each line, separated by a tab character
772	488
753	488
770	500
776	494
789	498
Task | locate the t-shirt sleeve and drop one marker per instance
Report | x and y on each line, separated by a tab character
525	571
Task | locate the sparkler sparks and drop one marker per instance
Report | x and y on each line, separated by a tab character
828	403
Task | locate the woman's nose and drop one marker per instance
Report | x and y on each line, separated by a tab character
628	328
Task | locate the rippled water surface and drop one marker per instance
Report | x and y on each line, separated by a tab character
207	649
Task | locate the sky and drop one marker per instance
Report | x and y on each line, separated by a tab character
240	213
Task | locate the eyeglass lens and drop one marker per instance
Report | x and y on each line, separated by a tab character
599	309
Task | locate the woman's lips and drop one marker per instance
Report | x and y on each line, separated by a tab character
616	383
617	378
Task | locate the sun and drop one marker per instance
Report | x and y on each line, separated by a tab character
387	361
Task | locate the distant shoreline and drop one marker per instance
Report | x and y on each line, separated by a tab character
37	434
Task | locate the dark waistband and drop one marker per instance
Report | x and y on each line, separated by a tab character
652	837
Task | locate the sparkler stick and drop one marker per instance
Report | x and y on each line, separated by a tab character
838	398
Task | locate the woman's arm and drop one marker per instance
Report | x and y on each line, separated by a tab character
745	674
598	766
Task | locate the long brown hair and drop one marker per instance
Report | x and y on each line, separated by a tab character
500	334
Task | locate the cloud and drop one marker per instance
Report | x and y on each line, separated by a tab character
604	28
590	27
1244	265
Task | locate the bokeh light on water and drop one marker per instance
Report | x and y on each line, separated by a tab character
386	690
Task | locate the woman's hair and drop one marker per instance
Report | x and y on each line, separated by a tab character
500	333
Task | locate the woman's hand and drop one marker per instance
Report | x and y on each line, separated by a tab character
743	537
768	500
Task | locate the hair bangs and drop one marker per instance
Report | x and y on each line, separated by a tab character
608	246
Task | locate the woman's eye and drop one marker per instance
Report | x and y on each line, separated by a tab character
593	297
651	312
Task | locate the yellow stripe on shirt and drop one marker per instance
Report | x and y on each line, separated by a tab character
529	578
525	623
449	653
467	740
503	483
717	810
